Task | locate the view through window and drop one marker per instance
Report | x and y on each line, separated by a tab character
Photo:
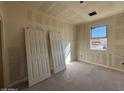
98	38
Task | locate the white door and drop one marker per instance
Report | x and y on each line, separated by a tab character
57	52
37	56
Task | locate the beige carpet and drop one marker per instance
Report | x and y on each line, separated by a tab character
82	76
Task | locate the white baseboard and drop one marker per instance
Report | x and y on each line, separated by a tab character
17	82
108	67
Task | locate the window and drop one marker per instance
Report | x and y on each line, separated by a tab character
98	39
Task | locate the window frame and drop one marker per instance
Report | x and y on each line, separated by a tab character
99	37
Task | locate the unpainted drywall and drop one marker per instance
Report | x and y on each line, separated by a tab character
17	16
1	7
113	57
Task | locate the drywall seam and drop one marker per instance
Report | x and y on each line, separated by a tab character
15	20
113	57
42	13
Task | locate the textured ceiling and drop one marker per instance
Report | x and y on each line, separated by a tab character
77	12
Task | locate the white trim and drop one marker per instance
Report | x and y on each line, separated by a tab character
1	38
19	81
4	56
102	65
3	49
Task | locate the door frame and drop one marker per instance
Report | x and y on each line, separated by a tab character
4	56
1	47
6	82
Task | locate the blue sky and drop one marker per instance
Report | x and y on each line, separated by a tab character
99	31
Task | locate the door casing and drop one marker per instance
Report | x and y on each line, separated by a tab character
1	63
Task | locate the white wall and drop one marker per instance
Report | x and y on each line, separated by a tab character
114	56
18	15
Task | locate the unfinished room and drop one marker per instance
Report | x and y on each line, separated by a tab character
62	45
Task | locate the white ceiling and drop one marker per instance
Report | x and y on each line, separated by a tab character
77	12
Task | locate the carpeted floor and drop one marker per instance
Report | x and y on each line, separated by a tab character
81	76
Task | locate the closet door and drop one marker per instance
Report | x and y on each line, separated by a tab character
57	51
37	56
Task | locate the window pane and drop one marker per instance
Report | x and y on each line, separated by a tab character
99	44
98	32
99	38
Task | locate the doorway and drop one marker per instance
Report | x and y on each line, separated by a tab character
1	64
